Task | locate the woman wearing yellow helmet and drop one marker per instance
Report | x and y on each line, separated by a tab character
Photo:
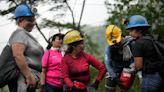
75	64
115	60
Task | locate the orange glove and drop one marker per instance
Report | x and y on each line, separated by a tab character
79	85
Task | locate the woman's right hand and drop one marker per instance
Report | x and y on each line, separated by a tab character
30	81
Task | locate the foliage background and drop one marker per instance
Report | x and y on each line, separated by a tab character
152	9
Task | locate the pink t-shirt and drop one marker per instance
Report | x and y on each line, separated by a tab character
53	66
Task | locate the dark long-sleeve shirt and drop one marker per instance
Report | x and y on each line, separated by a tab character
78	68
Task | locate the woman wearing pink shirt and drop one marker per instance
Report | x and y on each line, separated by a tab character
51	65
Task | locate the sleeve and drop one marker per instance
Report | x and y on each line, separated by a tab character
19	37
137	49
65	73
107	62
45	59
98	65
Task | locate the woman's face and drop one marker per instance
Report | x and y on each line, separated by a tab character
79	47
28	23
57	42
134	33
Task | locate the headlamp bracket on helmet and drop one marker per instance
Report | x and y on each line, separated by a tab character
112	37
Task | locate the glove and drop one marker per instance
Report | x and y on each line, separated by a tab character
79	85
95	84
43	88
118	81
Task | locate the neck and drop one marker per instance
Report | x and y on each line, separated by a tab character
75	54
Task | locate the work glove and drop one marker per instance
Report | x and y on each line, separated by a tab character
79	85
95	84
43	89
118	81
74	89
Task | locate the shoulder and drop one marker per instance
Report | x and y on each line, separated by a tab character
66	56
87	55
20	32
144	40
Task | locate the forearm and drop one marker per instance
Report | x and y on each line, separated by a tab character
138	62
102	72
43	77
68	82
108	67
22	65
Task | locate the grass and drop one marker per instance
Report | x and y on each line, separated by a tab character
135	87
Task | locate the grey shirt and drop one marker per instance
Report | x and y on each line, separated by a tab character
33	51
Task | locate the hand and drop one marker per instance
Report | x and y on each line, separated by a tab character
95	84
31	81
43	88
79	85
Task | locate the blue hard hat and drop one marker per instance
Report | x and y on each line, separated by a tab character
23	10
137	21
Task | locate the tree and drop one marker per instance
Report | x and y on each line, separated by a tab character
57	5
151	9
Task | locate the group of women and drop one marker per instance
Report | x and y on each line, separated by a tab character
69	69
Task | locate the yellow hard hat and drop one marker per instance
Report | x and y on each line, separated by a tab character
113	34
72	36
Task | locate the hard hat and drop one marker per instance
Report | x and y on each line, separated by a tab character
23	10
137	21
113	34
72	36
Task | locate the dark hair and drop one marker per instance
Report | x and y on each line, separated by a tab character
52	38
71	45
143	30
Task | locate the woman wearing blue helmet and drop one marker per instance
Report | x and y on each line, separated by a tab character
26	50
145	55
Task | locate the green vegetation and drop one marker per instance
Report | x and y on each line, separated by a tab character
151	9
135	87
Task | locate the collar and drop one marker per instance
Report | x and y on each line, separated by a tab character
57	49
21	28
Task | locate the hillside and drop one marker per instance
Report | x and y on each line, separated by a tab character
97	34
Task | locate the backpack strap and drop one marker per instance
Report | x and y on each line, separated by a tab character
153	39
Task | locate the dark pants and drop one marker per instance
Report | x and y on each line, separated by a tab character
50	88
151	82
66	89
19	85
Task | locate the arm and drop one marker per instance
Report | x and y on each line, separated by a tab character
43	76
107	63
18	53
138	61
65	74
44	67
137	50
98	65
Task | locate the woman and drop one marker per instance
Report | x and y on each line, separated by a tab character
51	65
118	56
26	50
145	55
75	64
